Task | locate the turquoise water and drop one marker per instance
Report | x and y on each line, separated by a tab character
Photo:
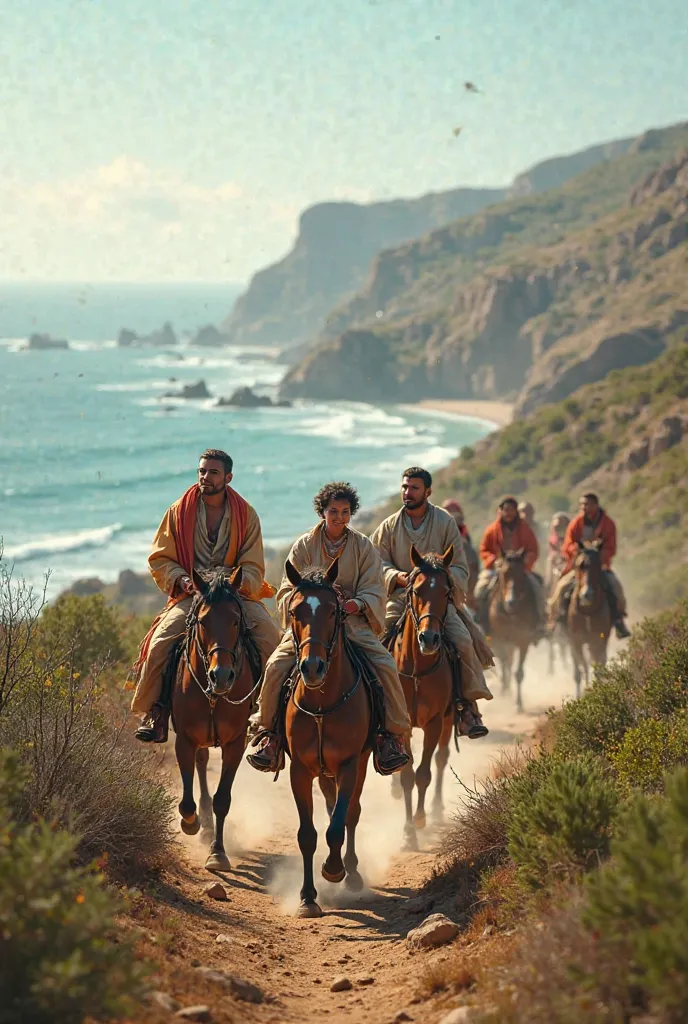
91	454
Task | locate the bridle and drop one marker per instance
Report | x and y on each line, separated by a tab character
584	564
502	580
417	619
192	643
301	645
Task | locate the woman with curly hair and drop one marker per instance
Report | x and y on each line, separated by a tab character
360	583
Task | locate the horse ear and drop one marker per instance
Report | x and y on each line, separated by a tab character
199	583
292	574
448	556
333	570
520	553
581	545
597	543
416	557
237	577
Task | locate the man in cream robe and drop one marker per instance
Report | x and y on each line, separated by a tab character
205	536
359	579
431	530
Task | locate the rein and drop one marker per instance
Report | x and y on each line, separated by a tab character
191	643
300	646
417	619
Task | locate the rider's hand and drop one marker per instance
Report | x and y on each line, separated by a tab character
351	607
186	585
403	580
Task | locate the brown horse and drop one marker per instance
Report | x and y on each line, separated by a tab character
211	702
426	677
557	640
512	617
589	619
328	729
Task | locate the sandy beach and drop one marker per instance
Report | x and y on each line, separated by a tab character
499	413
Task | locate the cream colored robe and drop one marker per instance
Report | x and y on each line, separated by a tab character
393	539
360	576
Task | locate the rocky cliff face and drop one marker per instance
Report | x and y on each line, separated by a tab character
516	302
286	304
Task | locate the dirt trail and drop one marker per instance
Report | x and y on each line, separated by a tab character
361	936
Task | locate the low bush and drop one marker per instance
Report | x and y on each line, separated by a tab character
561	827
597	721
638	904
58	961
649	750
84	630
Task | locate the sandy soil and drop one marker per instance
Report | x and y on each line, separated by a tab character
499	413
362	936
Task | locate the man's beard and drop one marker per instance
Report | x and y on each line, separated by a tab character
210	489
413	503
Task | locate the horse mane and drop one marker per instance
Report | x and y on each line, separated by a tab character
219	589
434	561
588	551
316	577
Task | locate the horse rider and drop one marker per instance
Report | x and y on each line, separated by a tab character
359	581
210	525
452	506
526	510
556	560
432	529
591	523
509	532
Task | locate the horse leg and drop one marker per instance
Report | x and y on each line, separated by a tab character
408	778
302	788
431	735
577	658
205	803
231	759
328	789
505	661
185	750
520	671
353	880
333	869
441	762
397	791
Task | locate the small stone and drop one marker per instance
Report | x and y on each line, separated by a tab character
228	939
461	1015
165	1001
199	1013
195	963
435	930
402	1016
216	891
243	990
418	905
340	985
366	980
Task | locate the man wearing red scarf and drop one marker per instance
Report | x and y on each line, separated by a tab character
209	526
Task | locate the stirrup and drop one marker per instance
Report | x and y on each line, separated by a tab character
259	761
392	764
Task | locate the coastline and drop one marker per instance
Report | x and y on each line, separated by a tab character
498	413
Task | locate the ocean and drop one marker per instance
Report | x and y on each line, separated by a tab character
91	453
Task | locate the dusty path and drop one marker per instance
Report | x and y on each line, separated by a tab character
361	936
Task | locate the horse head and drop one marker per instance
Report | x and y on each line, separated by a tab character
513	585
215	625
428	596
588	571
316	618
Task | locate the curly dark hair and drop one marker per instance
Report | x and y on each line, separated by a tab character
341	491
219	456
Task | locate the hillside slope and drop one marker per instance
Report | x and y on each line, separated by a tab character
469	310
625	437
288	302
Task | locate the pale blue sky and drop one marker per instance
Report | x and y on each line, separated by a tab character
165	139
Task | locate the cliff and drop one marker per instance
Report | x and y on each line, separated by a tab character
527	300
288	303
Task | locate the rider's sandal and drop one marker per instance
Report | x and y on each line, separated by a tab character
260	761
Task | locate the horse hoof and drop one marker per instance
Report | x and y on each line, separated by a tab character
332	876
191	828
419	820
218	862
410	844
309	910
353	882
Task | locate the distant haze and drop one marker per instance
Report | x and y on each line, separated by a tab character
179	139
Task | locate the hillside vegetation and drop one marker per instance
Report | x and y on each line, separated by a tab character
534	296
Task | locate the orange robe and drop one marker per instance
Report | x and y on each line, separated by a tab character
604	530
493	544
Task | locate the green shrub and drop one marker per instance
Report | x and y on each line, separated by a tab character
649	750
84	629
597	721
58	963
638	903
562	828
